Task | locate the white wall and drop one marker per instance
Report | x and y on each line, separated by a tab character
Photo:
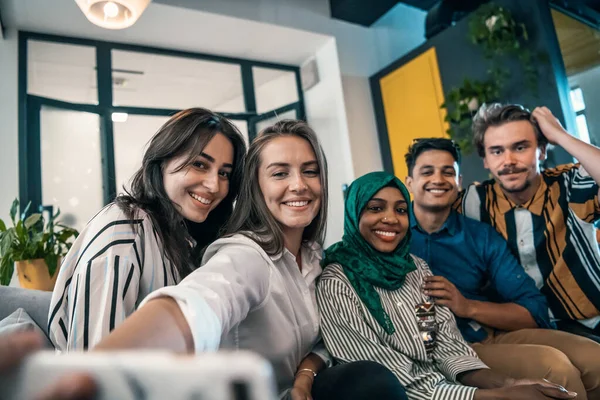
362	51
366	154
9	159
326	113
589	82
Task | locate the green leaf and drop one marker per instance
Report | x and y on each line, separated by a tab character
52	262
2	226
6	242
13	210
6	270
32	220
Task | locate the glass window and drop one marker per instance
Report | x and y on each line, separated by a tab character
273	88
291	114
62	71
577	100
582	128
243	127
71	164
131	137
152	80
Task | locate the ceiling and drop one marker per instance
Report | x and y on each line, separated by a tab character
579	43
366	12
172	28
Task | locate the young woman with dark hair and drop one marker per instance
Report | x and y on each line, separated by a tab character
152	236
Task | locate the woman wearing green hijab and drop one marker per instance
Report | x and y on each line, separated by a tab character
373	308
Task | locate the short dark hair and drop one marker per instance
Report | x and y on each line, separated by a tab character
422	145
496	114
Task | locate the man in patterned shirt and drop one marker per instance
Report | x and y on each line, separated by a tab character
546	216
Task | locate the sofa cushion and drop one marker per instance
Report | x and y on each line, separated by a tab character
20	321
35	303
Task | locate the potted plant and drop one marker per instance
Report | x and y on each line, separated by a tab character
34	247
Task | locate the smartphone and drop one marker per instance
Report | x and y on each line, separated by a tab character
145	375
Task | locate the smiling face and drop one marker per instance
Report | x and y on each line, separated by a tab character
513	156
198	188
289	179
435	180
384	221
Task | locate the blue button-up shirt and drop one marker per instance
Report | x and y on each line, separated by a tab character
477	260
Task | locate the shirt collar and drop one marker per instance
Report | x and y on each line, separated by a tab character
450	225
314	252
535	205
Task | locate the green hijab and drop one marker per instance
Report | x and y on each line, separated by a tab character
364	266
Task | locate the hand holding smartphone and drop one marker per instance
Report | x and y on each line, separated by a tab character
147	375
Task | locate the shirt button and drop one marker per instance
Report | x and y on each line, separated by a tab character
399	304
521	242
416	337
519	276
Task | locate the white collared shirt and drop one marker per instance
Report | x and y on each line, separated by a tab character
241	298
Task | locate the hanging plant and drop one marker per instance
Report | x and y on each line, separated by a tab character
494	29
462	103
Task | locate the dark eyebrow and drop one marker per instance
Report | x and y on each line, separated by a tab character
282	164
403	202
212	160
522	142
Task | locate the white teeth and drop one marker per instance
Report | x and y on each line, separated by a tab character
296	203
201	199
437	190
384	233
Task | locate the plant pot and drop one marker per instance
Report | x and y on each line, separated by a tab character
34	274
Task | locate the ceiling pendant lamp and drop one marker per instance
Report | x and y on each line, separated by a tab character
114	14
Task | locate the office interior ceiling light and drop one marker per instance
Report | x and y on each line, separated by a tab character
115	14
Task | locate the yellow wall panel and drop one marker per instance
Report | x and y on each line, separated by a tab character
412	95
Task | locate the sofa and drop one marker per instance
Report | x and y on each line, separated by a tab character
35	303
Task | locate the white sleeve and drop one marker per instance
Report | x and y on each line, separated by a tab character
220	294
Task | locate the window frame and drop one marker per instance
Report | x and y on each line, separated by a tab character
30	177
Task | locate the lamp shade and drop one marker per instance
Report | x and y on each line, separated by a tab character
113	14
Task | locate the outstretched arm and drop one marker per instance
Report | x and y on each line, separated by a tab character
192	315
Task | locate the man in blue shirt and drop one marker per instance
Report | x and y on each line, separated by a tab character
498	308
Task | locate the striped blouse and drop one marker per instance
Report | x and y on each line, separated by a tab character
109	270
352	334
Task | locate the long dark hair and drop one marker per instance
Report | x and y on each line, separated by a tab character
252	216
186	132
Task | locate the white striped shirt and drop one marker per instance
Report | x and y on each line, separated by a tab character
352	334
109	270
